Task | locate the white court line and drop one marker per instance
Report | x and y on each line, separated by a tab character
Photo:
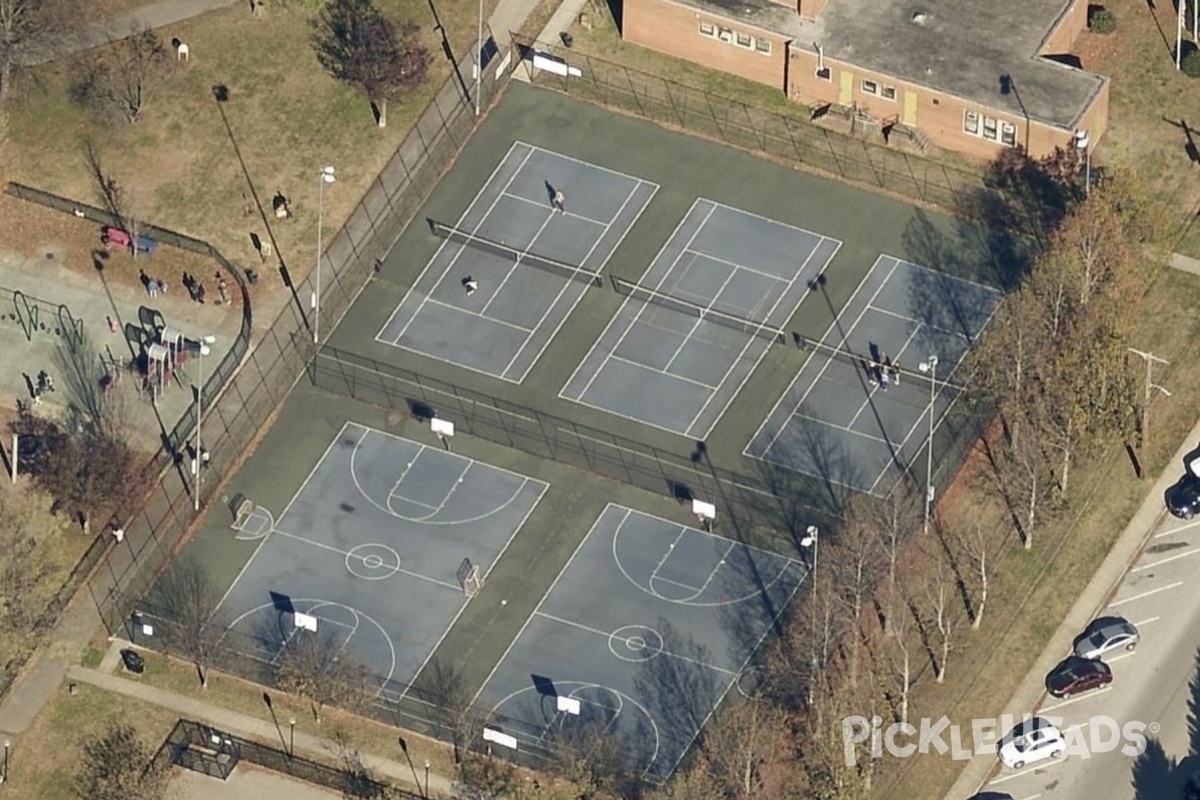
1075	699
829	358
1166	560
1145	594
842	428
462	476
642	310
516	264
432	301
608	635
613	321
752	339
579	297
437	645
541	602
344	553
542	204
689	587
872	392
279	521
738	265
649	368
687	337
447	243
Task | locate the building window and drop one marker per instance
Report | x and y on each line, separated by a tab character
870	87
887	92
763	46
825	74
971	123
991	129
724	34
708	29
1008	134
745	40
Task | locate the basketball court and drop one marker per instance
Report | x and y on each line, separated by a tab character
378	552
837	420
687	338
645	630
482	302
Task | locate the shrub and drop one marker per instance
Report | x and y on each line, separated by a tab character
1103	21
1191	63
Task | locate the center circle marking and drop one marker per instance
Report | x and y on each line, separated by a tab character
635	643
373	562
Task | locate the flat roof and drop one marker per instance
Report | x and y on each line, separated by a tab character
960	47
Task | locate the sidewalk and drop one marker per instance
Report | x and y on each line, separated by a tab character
250	727
42	677
1087	606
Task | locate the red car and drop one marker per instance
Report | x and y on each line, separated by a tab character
1077	675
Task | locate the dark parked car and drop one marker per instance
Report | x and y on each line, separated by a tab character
1183	499
1105	635
1077	675
991	796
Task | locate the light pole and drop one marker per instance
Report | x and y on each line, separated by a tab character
198	449
427	778
7	745
478	57
810	541
930	366
326	175
292	737
1083	143
404	747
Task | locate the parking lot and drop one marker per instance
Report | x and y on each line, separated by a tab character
1154	685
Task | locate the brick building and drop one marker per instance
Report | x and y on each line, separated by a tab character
973	76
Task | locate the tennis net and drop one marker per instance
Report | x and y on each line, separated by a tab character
550	265
654	297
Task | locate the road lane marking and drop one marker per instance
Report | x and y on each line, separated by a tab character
1167	560
1068	702
1145	594
1180	529
1029	770
1146	622
1126	654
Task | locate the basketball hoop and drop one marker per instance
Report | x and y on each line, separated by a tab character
705	513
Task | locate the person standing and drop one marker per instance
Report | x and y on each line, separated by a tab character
559	200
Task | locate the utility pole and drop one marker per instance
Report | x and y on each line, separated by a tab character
1150	360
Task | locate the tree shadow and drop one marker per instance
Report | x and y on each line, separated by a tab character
1155	774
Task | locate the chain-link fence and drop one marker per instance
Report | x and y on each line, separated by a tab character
249	385
789	138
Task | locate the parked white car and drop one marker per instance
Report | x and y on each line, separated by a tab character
1035	739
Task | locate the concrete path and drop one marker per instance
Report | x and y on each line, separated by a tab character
250	727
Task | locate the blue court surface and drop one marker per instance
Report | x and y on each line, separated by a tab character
371	546
745	276
837	421
502	328
648	627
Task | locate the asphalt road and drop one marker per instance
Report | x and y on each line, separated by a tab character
1152	685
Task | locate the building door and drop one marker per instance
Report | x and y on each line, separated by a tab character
846	96
910	108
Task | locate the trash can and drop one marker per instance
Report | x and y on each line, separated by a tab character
252	276
567	39
133	662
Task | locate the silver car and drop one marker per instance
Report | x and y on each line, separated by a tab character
1104	636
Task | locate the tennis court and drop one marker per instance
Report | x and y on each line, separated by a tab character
647	628
373	548
689	335
837	420
514	266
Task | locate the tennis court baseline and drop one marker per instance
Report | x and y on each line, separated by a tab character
686	339
478	303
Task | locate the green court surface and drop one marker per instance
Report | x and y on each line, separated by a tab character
675	172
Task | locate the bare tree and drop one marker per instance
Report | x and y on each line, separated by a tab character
939	604
747	745
186	597
120	79
317	667
448	693
857	563
28	27
360	47
28	562
117	765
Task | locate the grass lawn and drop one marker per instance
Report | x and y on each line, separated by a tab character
178	166
43	761
1149	100
243	697
989	663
